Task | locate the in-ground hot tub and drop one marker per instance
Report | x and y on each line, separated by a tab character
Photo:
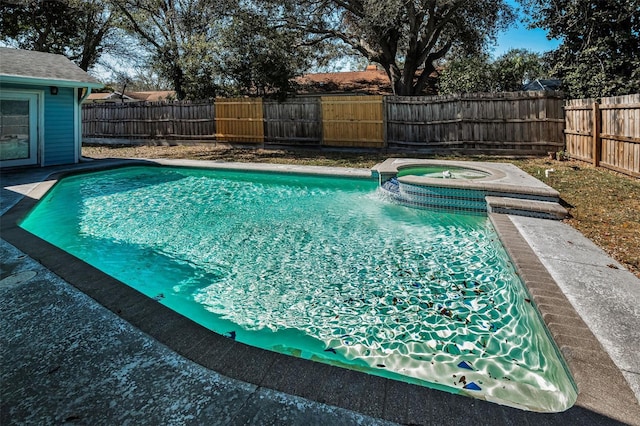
469	187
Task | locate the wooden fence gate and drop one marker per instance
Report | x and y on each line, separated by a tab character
353	121
239	120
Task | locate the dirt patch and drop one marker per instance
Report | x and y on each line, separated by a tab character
604	205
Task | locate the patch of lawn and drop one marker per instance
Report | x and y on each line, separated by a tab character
604	205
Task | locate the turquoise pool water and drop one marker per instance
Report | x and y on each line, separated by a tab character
322	268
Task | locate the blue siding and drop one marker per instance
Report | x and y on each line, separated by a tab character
58	127
58	124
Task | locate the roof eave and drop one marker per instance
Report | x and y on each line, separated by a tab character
16	79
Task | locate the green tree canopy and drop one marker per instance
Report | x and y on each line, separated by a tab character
207	48
82	30
600	50
406	38
260	57
180	37
466	74
516	68
477	73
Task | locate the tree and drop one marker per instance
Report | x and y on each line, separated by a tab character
406	37
261	57
82	30
516	68
477	73
600	50
136	79
181	37
466	74
96	32
254	58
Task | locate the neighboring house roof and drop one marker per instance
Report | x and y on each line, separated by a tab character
543	85
25	66
152	96
371	80
107	97
149	96
99	96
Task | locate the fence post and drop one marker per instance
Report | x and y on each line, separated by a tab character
385	141
597	130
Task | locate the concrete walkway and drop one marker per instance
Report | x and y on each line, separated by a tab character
606	295
66	359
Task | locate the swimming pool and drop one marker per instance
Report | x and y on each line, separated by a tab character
320	268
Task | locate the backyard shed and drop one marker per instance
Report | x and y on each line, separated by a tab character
40	108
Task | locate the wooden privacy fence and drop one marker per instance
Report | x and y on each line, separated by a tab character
522	123
295	121
157	120
605	133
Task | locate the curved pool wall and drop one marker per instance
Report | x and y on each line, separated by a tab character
495	187
469	373
436	197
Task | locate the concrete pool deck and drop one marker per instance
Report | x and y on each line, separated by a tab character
68	359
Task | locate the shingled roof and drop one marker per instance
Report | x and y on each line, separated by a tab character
152	95
21	66
371	81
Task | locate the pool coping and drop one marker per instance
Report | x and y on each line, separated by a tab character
602	388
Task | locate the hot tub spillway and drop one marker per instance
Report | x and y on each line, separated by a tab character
392	187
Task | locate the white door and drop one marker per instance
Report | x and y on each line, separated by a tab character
18	128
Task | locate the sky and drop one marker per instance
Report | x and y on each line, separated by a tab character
518	36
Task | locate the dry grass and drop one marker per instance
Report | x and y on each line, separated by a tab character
604	205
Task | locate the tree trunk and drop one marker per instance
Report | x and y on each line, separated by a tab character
178	82
395	78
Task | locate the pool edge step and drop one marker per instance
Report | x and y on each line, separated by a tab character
526	207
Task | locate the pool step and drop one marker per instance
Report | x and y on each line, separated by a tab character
525	207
